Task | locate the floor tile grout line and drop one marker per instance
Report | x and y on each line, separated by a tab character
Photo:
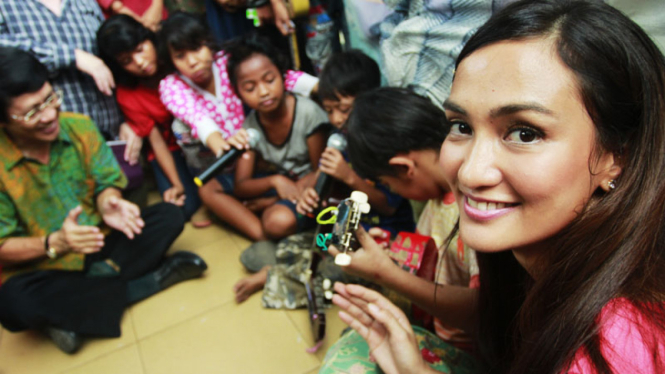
183	321
96	358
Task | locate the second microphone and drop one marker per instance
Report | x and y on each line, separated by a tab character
226	159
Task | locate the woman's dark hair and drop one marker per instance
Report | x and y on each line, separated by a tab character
121	34
614	247
348	74
20	73
183	32
388	121
241	49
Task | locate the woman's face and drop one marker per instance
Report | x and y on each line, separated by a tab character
194	64
141	62
520	154
260	84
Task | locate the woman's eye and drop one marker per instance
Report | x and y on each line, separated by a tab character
460	128
523	135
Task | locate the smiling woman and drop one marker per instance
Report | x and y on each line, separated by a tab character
555	156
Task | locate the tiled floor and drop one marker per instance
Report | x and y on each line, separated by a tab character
193	327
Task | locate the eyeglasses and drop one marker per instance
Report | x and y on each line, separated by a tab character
32	117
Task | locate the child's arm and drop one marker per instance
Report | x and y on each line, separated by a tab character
334	164
153	15
315	144
455	306
175	194
181	100
248	187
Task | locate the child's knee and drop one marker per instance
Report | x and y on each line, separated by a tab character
278	221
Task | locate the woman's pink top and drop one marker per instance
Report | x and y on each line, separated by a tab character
622	344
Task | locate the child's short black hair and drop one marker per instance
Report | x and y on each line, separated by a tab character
389	121
348	74
20	73
120	34
241	49
183	31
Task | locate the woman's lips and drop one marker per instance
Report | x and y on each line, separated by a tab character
486	210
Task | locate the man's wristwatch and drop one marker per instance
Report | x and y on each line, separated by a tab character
50	251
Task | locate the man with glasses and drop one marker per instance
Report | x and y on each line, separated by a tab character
61	34
73	253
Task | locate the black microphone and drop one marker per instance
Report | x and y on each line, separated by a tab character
226	159
324	182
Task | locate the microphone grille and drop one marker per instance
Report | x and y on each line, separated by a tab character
337	141
254	137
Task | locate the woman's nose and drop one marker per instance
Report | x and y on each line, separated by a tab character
479	166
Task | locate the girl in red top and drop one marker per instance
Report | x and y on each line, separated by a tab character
128	48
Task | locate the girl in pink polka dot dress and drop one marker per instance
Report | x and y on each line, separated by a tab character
208	113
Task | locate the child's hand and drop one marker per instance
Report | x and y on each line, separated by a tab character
217	144
333	163
239	140
286	188
370	262
308	201
175	195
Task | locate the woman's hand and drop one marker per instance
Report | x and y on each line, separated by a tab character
76	238
391	340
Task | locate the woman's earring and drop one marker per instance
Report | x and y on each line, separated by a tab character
611	184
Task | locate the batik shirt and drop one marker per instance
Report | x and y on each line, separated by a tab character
36	198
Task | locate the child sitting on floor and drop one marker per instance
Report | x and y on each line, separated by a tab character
200	95
280	166
128	49
396	139
345	76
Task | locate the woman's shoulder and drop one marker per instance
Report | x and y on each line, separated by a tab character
629	337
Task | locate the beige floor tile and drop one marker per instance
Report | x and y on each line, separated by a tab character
190	298
30	352
123	361
334	326
234	339
193	238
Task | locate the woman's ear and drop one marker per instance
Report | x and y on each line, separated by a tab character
404	164
610	167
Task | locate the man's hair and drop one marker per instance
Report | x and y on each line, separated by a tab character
348	74
20	73
389	121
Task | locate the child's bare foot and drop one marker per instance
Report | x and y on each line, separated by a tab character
201	218
259	204
247	286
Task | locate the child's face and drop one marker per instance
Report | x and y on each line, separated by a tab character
260	84
194	64
141	62
338	110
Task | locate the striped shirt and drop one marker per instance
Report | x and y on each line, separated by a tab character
29	25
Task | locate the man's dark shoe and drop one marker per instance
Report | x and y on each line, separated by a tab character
179	267
68	341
